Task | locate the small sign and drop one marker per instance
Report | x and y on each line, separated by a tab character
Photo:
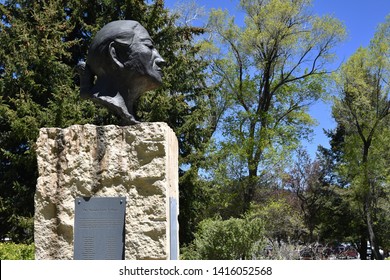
99	228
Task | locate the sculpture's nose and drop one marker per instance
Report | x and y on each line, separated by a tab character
160	62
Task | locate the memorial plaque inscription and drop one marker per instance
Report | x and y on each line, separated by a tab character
99	228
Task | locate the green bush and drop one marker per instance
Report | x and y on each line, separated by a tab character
12	251
231	239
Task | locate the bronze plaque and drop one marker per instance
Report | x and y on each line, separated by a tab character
99	228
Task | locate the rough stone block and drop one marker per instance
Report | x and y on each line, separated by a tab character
139	162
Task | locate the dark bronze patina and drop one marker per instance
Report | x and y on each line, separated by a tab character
122	64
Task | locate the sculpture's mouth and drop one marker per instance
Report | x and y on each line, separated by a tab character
158	64
159	71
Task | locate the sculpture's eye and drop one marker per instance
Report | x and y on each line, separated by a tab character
149	45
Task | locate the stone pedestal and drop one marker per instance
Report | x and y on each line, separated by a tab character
138	162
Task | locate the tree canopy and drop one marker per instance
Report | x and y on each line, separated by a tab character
270	71
237	97
363	110
42	42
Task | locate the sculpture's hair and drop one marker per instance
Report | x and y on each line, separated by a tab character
121	32
98	59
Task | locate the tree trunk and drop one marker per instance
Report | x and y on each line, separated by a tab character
368	203
371	233
250	188
363	247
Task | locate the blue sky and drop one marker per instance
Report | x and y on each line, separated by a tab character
360	17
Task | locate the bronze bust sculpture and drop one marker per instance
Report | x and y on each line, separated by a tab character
122	64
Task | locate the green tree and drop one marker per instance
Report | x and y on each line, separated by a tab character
363	109
305	181
283	222
42	41
36	89
341	219
270	71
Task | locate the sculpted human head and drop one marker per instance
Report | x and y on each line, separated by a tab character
126	64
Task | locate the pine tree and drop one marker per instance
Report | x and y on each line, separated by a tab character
42	42
36	90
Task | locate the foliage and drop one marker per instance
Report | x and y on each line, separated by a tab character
42	41
270	71
238	101
282	221
35	90
305	181
363	110
12	251
232	239
285	250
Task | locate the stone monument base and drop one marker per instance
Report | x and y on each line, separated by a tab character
139	163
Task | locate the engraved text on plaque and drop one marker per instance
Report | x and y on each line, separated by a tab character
99	228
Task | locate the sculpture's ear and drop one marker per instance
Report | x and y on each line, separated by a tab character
114	56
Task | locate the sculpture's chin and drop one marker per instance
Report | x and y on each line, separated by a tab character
156	78
151	83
